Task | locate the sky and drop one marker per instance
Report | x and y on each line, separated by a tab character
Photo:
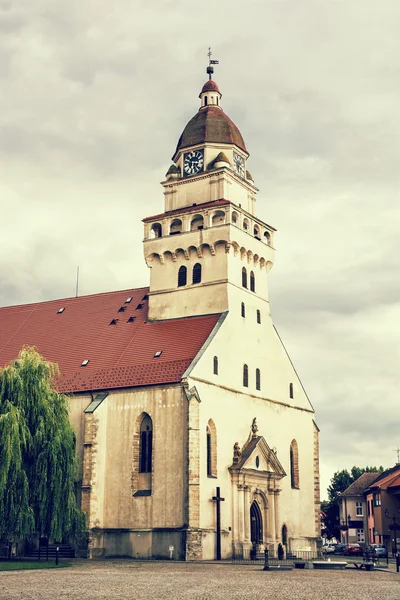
93	97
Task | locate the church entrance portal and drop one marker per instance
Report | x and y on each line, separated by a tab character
256	524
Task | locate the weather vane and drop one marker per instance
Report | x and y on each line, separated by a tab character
210	68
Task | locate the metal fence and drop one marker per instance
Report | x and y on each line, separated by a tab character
291	557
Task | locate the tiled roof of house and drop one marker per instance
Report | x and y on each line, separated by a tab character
387	478
120	354
358	486
210	124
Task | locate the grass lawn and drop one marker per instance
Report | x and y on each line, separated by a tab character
19	565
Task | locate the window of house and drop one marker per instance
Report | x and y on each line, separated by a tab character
182	276
294	465
244	277
243	310
196	277
359	509
245	376
211	436
215	365
258	316
377	499
368	508
360	535
252	282
146	445
291	394
258	379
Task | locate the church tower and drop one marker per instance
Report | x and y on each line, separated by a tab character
208	246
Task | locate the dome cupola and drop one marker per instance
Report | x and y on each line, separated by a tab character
210	94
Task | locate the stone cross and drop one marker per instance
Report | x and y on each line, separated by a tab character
217	499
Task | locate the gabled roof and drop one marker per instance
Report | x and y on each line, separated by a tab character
358	486
121	355
269	460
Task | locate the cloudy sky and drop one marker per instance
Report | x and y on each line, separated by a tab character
93	97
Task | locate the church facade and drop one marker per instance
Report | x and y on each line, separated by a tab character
185	386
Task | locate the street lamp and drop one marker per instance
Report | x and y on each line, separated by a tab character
393	527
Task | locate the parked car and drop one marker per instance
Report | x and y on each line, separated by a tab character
339	548
378	550
328	549
353	550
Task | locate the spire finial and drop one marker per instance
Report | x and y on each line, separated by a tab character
210	68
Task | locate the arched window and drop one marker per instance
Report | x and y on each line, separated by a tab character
205	100
146	445
245	376
175	227
291	394
243	310
196	277
252	282
258	379
294	465
211	433
197	223
182	276
258	316
215	365
244	277
156	230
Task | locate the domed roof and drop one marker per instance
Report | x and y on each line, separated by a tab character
210	86
211	124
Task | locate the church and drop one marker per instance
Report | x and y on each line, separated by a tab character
195	436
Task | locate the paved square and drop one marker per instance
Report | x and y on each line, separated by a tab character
128	579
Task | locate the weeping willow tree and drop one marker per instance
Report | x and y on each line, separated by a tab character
38	464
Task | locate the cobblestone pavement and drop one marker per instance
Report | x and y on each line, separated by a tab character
182	581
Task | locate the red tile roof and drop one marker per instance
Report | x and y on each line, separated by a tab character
120	355
193	208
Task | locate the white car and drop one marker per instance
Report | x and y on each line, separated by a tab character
329	549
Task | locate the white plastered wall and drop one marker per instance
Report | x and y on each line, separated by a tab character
233	407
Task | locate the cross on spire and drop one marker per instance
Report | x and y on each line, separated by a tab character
210	68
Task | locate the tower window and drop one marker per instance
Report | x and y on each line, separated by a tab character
291	394
252	282
243	310
205	100
258	316
244	277
215	365
258	379
196	277
146	445
182	276
245	376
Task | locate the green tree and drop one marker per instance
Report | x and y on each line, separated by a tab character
38	464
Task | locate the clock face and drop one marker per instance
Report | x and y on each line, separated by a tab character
193	162
239	164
